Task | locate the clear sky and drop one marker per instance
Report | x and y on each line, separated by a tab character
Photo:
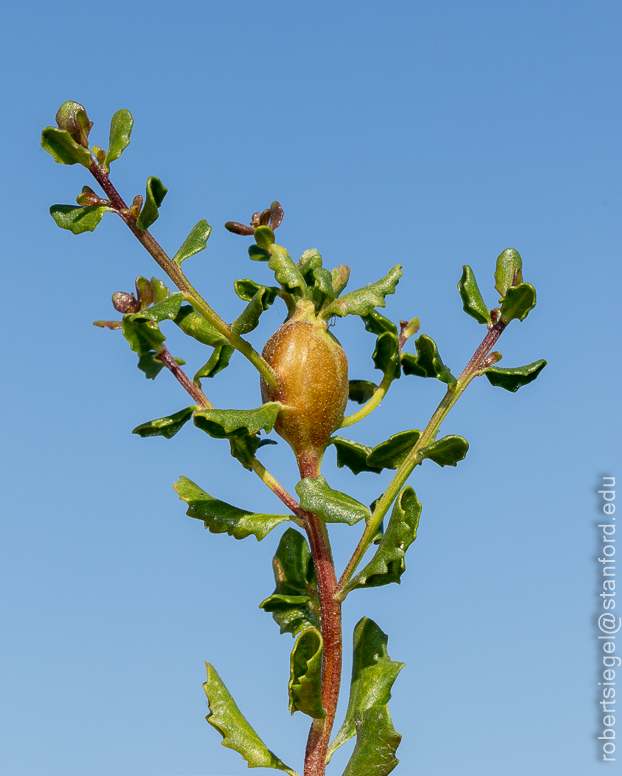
429	133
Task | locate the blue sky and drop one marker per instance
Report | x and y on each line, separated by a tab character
431	134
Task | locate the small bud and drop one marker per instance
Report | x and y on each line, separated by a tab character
89	197
264	218
136	206
72	118
237	228
276	215
144	292
256	220
509	271
99	154
407	329
492	358
125	303
495	315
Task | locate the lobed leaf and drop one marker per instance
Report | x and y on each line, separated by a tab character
167	426
378	324
225	423
376	744
285	271
388	563
167	309
293	604
218	361
361	391
427	362
340	276
194	243
154	196
246	290
255	253
78	218
65	150
363	301
386	356
508	271
195	325
249	319
373	675
331	505
120	130
391	453
220	517
150	365
514	378
305	682
472	301
143	337
447	451
237	734
160	290
518	302
354	455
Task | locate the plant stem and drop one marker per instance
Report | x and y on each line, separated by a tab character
415	456
193	389
175	273
330	624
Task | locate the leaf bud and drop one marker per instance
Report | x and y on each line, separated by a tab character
72	118
89	197
492	358
236	228
509	271
99	154
125	303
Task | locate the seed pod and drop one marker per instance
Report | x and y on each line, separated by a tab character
313	370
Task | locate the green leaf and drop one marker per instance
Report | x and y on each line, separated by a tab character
194	243
305	675
166	427
249	319
155	193
150	365
373	675
447	451
194	324
264	237
391	453
509	271
218	361
377	323
472	301
244	447
376	744
78	218
331	505
518	302
143	337
237	734
160	290
310	260
323	286
388	563
427	362
285	271
71	116
220	517
226	423
514	378
64	148
363	301
361	391
387	355
293	604
256	253
246	290
353	455
340	276
120	130
168	309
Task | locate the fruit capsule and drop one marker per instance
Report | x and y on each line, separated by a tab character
313	370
